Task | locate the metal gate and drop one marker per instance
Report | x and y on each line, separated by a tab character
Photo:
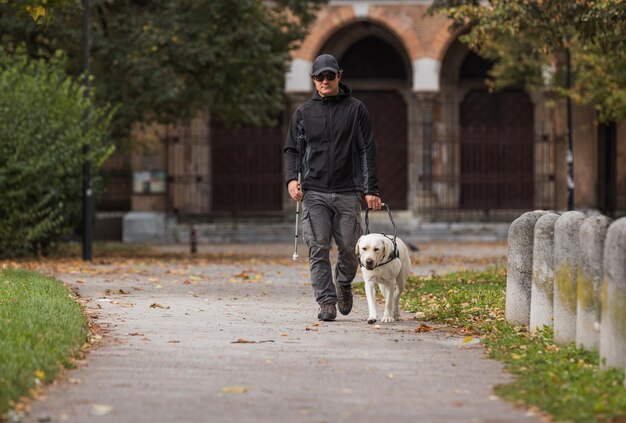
246	164
497	151
388	112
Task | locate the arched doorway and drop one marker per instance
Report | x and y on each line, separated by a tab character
378	70
496	144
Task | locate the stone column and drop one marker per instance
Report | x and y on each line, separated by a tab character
542	293
588	309
425	199
613	323
519	274
566	269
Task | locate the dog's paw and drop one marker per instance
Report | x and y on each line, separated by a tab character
396	316
371	320
387	319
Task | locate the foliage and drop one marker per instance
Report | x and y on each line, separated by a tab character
41	329
562	380
527	37
164	60
42	134
38	10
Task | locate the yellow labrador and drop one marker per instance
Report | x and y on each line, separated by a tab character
388	265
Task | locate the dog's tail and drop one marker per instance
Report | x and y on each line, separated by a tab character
412	247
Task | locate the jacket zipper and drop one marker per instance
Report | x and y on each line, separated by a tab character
330	130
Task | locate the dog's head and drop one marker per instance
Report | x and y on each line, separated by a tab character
373	249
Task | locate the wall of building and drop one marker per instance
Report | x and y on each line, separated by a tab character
433	96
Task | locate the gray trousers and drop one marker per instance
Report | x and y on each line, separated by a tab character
336	216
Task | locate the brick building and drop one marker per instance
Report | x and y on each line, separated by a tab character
448	149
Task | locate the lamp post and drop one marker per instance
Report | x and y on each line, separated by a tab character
87	191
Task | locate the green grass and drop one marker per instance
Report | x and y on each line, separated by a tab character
563	381
41	330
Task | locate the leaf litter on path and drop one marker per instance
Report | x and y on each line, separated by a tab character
236	389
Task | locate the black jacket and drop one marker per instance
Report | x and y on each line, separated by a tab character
339	152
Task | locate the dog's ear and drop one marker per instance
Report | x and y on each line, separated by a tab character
382	257
388	245
356	247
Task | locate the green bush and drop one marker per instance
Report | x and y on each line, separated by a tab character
42	135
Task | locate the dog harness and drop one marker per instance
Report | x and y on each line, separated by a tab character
394	254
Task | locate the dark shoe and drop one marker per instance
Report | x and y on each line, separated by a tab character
344	299
327	313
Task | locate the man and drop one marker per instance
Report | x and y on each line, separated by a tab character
330	141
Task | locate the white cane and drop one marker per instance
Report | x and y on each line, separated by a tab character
295	241
301	140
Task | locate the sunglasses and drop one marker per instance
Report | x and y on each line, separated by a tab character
328	75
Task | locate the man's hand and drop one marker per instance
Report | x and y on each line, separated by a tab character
373	202
295	190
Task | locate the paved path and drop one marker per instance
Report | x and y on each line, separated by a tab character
177	360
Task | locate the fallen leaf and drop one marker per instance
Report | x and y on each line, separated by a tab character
40	374
311	329
100	409
468	339
173	341
243	341
157	305
235	389
424	328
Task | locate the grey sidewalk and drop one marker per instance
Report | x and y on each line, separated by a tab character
179	363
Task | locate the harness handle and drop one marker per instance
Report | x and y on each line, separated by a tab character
393	223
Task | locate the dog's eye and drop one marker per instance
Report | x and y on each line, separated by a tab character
376	249
364	248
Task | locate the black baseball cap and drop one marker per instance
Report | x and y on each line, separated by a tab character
325	62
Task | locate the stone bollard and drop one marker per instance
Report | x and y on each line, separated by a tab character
566	268
589	284
542	293
520	265
613	322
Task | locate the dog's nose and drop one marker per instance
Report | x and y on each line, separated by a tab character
369	261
